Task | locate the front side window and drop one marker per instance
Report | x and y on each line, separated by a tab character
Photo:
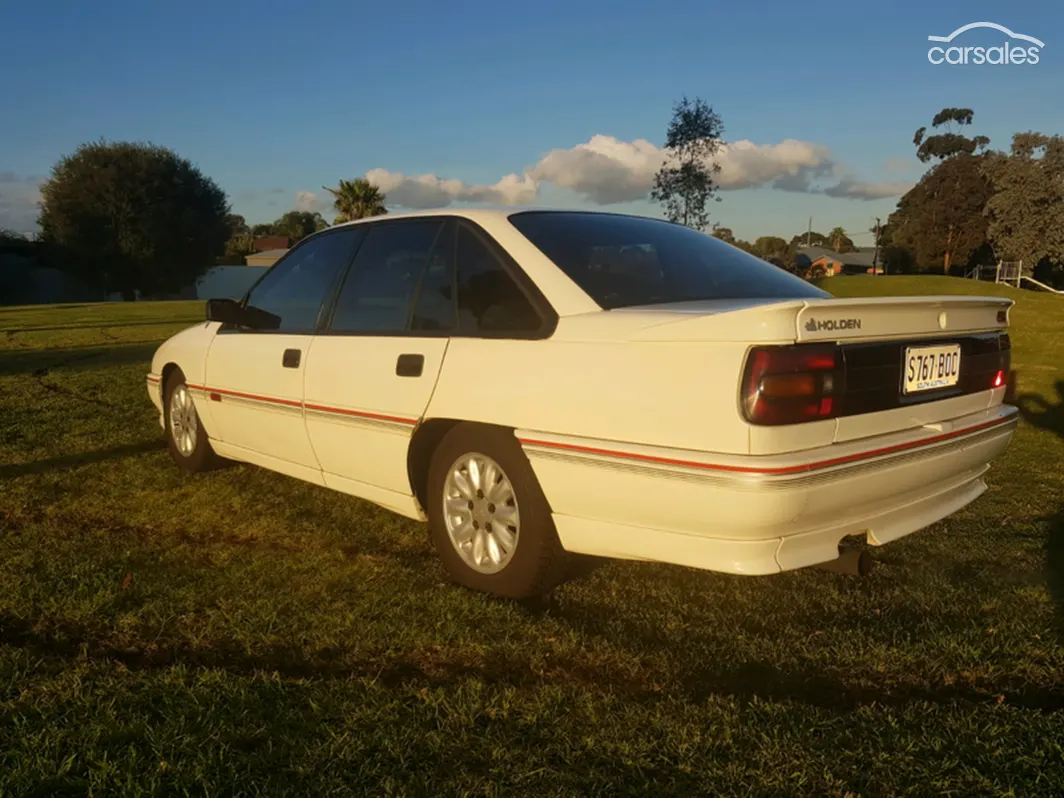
295	288
633	261
434	310
378	292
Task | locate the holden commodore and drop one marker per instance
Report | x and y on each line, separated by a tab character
537	384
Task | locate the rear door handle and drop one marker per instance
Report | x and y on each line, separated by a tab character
410	364
291	357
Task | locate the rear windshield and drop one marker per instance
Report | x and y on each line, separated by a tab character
632	261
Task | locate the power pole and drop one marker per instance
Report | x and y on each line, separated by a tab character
809	233
875	256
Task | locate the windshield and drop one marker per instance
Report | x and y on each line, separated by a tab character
633	261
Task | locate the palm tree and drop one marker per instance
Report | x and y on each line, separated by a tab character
836	236
357	199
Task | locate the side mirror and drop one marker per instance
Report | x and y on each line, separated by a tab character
224	310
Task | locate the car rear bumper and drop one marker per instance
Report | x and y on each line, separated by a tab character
760	515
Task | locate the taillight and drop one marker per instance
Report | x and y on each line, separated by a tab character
792	384
999	379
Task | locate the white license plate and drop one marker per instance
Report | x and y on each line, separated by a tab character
931	368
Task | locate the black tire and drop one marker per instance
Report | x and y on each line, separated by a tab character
538	563
202	457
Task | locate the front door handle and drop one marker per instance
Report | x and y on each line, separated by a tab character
410	364
291	357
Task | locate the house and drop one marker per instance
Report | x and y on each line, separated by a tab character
263	243
858	262
265	259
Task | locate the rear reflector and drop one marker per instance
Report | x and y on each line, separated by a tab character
791	384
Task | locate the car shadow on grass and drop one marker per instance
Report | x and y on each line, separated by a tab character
1048	416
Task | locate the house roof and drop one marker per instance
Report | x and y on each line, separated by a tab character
863	258
274	254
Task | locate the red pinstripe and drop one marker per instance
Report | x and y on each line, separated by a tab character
217	391
812	466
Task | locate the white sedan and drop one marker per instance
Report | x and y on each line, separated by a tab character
536	384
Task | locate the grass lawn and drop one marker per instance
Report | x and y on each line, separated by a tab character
240	633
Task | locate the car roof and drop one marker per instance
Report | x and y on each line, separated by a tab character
481	215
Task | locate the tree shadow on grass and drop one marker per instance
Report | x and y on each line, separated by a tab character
39	362
68	462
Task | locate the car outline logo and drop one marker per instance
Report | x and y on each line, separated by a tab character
994	25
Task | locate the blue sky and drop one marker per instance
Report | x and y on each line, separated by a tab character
272	99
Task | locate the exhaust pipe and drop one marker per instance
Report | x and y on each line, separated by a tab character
851	561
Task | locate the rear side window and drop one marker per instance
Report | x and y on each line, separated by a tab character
489	299
632	261
379	290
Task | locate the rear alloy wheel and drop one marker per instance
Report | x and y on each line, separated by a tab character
185	436
481	513
489	520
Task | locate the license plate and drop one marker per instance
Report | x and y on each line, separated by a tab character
931	368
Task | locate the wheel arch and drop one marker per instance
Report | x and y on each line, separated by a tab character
167	373
423	445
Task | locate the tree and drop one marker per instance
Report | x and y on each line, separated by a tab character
1025	213
839	241
940	220
773	248
237	225
357	199
943	145
724	234
809	239
133	216
685	184
298	224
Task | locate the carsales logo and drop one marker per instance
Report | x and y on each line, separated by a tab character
1007	53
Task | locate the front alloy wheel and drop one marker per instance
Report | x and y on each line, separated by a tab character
185	435
183	420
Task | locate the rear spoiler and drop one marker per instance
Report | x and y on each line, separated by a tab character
876	318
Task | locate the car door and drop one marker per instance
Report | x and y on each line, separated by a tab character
370	374
255	376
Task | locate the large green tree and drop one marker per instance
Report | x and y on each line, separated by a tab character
1025	213
685	185
298	224
357	199
133	217
940	221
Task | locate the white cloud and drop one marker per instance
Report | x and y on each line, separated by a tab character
604	169
310	201
430	191
849	187
608	170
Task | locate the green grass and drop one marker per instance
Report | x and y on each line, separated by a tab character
241	633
